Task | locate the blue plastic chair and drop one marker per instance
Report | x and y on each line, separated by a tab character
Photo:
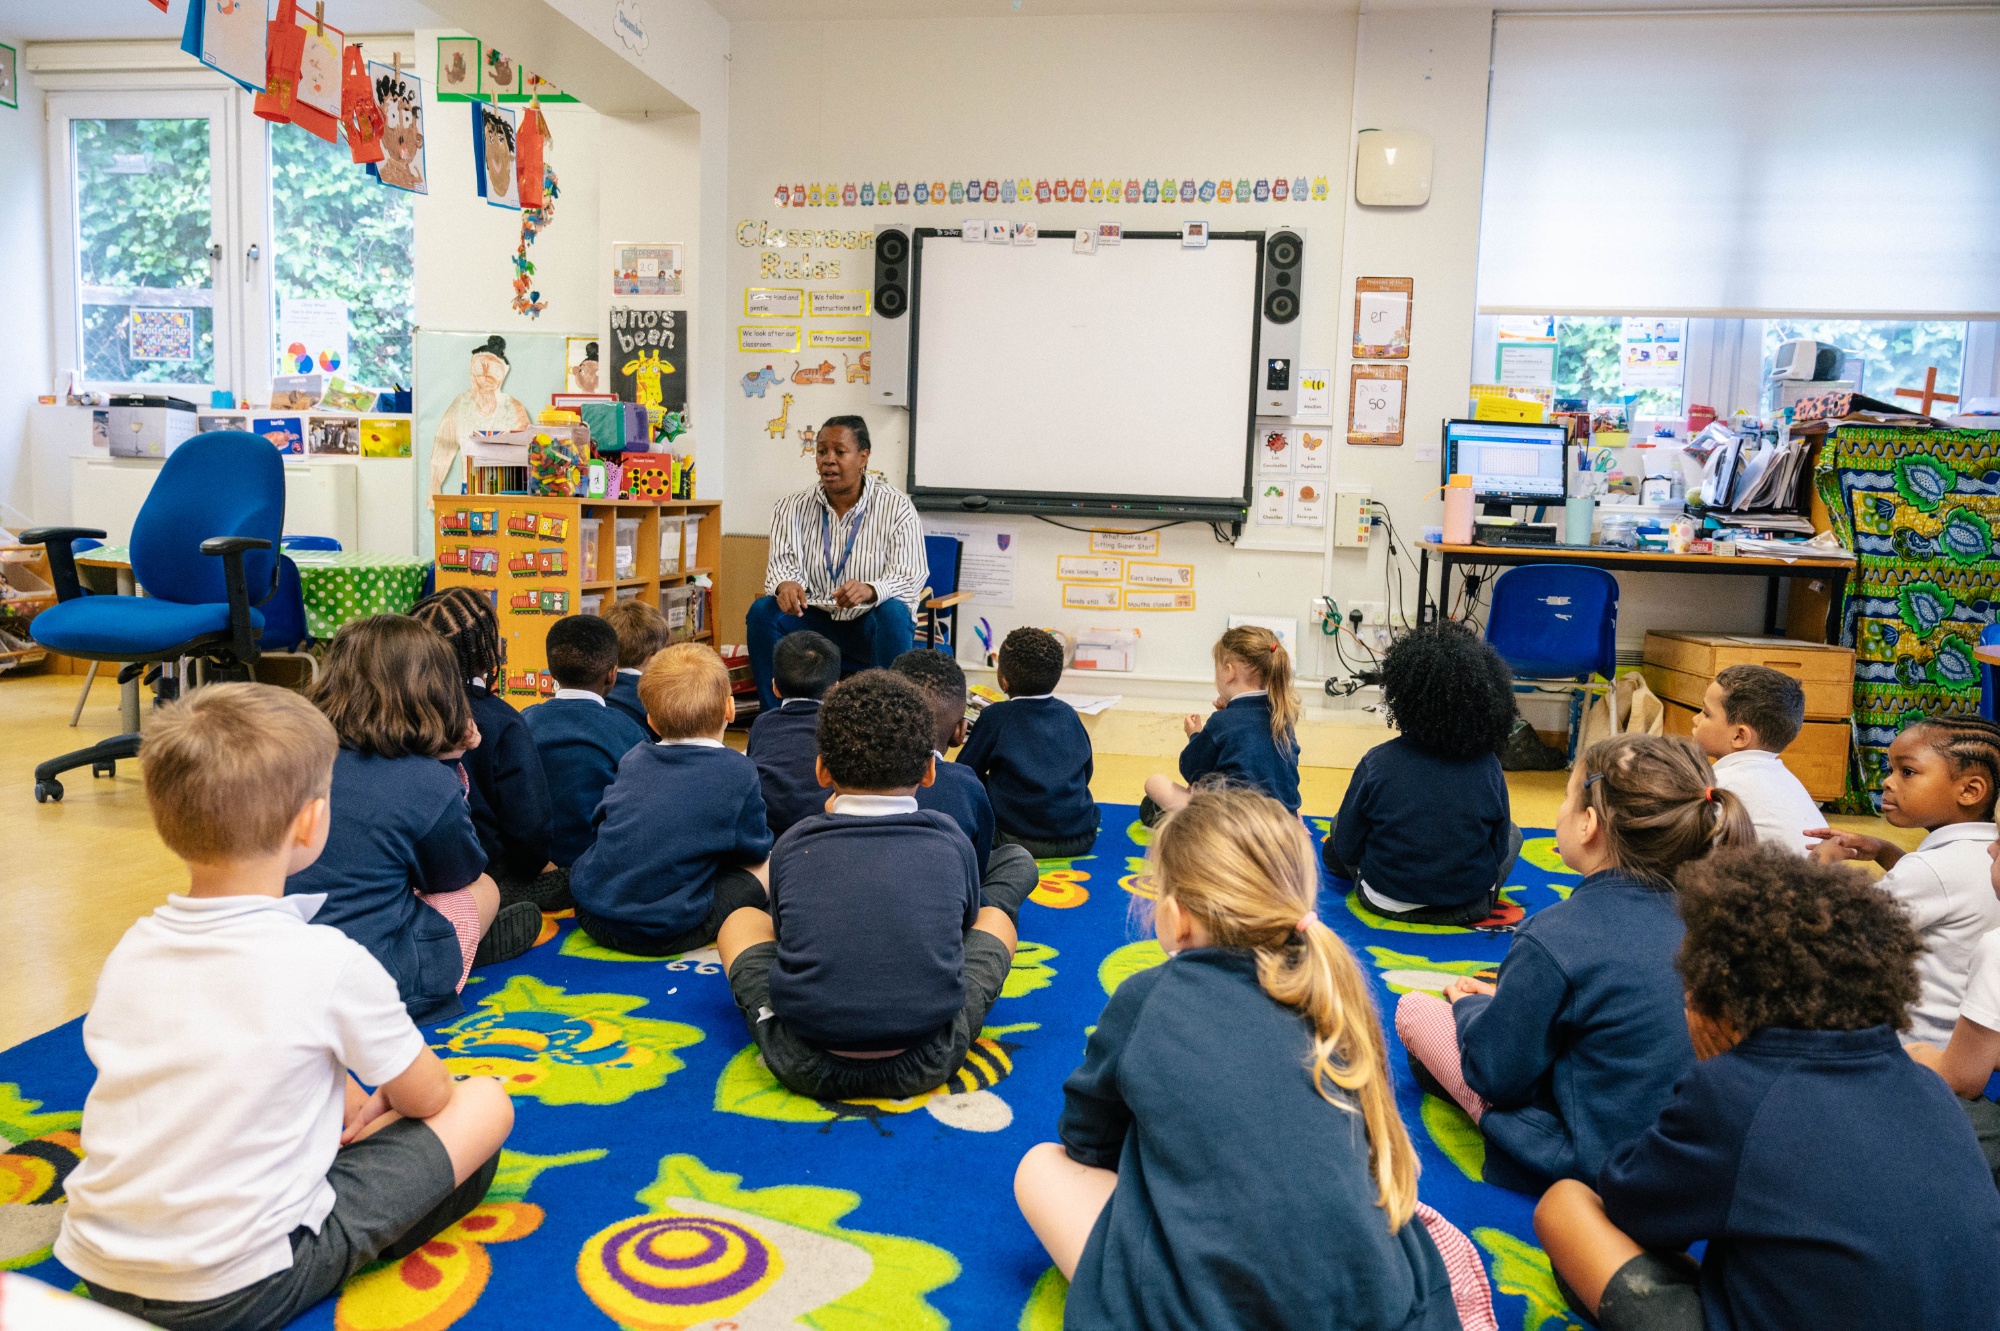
204	548
1556	625
311	543
938	606
1988	636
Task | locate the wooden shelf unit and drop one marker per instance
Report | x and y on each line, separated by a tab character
527	553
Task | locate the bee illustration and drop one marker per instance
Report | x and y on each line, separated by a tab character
966	1100
32	1175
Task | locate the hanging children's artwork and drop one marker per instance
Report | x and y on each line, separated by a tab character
498	76
226	35
493	133
649	357
457	69
401	97
319	67
284	47
537	211
360	114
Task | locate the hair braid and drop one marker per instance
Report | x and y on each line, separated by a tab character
465	619
1966	741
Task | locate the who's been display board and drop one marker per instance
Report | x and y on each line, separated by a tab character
1127	373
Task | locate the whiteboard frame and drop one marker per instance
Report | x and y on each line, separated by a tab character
1049	503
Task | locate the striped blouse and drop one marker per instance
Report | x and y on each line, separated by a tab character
887	552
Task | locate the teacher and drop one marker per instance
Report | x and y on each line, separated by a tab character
847	561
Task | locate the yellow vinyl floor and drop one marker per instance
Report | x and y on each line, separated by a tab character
80	871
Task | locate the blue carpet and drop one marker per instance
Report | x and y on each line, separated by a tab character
646	1126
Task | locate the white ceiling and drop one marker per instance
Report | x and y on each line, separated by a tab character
99	20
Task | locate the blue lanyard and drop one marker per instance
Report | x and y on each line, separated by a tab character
826	538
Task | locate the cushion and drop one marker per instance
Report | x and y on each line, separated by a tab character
131	626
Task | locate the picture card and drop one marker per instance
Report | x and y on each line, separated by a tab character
1124	542
1375	404
1194	235
1141	574
1309	503
645	269
1274	502
1274	453
333	434
971	232
286	433
1110	233
1382	308
1089	596
1089	568
1312	457
1085	241
387	437
1151	600
999	233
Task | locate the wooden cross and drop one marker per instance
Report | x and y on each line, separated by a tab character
1928	392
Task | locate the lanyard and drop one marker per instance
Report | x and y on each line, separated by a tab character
826	538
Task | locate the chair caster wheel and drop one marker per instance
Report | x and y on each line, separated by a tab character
48	790
109	768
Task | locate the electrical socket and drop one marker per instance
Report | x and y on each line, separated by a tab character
1373	613
1377	636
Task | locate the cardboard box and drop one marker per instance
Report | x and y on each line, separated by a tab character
150	431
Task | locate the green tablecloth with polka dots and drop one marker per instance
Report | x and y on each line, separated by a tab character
338	586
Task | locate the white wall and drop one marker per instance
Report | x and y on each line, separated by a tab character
1035	96
25	336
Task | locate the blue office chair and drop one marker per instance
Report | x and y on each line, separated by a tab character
1988	636
311	543
203	540
937	607
1556	626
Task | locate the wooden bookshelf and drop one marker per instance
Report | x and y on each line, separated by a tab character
527	552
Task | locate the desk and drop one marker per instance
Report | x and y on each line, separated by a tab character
1636	561
1987	655
337	586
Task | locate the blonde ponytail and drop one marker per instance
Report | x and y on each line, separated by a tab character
1260	651
1236	861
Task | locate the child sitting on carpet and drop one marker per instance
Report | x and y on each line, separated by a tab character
1251	738
1234	1120
506	791
1578	1047
579	735
1968	1059
1748	715
641	631
1412	854
1033	754
403	871
233	1172
883	949
1943	771
1833	1180
784	743
681	834
957	793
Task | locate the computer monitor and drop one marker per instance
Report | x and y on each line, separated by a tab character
1510	462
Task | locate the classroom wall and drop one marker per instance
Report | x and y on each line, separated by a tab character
1037	96
25	335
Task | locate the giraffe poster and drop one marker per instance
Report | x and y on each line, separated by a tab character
647	357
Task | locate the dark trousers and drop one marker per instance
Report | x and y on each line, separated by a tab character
873	639
734	889
1470	912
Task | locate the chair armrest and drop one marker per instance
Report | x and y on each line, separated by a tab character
946	602
231	548
62	560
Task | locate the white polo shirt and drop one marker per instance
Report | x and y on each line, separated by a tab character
222	1033
1945	886
1776	800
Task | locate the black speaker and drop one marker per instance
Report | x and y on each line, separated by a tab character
1278	332
889	331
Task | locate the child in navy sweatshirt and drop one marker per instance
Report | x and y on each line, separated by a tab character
1231	1153
681	837
1834	1180
784	741
642	630
1251	738
1033	754
883	948
957	793
506	791
579	735
1413	856
1577	1048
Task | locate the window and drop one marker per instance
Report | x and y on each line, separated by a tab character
1887	355
143	202
1590	357
336	234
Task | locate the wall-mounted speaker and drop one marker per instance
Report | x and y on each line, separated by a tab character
889	321
1279	325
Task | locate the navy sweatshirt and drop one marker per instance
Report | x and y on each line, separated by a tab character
624	696
871	914
1837	1184
785	744
1236	743
509	796
1033	754
1400	832
580	742
1244	1199
1580	1049
958	794
400	826
676	816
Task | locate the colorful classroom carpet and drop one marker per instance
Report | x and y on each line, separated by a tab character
658	1178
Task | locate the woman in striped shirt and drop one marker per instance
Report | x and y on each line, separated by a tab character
847	561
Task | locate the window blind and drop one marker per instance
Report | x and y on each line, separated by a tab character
1717	164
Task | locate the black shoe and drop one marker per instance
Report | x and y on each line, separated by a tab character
547	892
514	931
1149	812
1427	1081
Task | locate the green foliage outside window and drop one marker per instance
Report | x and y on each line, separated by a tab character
1895	354
1588	353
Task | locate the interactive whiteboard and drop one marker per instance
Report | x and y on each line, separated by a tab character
1119	382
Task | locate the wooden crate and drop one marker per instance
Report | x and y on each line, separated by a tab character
1818	757
1679	666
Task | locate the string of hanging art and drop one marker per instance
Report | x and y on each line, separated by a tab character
539	192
